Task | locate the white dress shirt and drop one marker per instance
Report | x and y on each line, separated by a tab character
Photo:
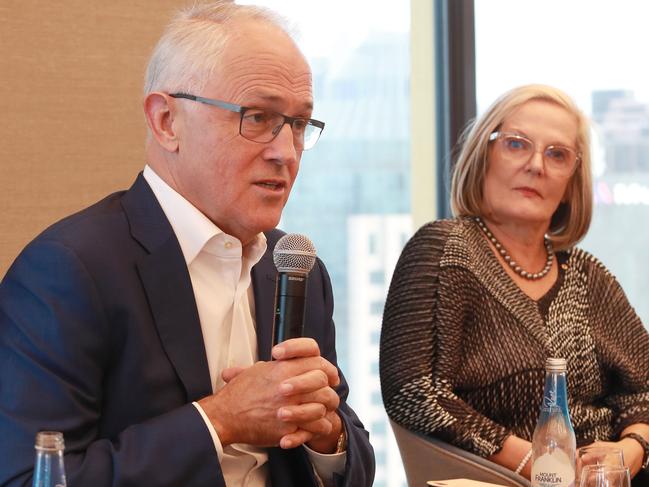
219	269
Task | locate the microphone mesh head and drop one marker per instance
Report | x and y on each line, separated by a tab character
294	253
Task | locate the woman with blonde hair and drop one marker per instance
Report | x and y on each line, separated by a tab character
478	302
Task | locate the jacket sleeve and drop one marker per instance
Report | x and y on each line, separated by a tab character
55	350
420	349
622	345
359	469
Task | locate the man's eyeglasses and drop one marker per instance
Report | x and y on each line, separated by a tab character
559	159
262	125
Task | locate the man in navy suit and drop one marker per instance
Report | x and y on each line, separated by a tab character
141	327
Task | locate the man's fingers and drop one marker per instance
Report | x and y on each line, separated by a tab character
331	371
325	396
305	353
296	348
231	373
309	381
320	427
292	369
302	413
293	440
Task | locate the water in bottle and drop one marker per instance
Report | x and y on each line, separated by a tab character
49	469
553	443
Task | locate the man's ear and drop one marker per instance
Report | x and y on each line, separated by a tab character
159	116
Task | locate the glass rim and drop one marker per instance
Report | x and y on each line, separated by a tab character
612	449
604	467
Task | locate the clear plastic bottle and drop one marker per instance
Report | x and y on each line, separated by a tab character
49	469
553	443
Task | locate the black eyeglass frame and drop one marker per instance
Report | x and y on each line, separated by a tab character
241	110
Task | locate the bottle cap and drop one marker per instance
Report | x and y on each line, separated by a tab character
555	364
49	440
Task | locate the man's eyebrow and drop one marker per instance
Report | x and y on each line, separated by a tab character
306	106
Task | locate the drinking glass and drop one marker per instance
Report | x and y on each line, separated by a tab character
598	455
605	476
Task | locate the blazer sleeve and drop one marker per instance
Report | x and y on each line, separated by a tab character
359	469
55	348
420	348
622	345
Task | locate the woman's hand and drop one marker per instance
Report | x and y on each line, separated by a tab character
511	454
631	450
633	454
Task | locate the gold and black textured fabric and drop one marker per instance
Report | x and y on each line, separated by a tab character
463	348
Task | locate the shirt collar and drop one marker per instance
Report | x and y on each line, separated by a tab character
192	228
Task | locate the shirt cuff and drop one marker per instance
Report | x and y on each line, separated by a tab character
325	465
215	438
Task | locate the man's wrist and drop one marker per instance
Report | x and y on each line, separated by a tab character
210	407
218	446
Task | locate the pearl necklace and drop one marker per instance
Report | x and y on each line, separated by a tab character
512	263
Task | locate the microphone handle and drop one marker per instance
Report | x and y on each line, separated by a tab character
290	297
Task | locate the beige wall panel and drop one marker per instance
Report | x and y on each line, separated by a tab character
70	106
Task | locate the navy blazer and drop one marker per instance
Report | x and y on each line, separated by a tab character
100	339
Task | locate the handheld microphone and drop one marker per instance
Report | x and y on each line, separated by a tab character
294	256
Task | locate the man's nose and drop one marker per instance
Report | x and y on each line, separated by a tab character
284	144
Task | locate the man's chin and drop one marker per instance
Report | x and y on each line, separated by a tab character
265	223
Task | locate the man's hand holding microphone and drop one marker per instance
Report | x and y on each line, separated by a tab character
291	400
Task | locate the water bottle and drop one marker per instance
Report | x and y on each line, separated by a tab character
49	470
553	442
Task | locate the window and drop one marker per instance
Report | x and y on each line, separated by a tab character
377	277
376	307
353	192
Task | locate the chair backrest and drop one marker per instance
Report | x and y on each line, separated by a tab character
425	458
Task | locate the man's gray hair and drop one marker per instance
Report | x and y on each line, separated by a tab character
190	47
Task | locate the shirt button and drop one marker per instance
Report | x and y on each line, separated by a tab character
228	245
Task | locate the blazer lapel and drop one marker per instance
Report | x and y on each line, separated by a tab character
263	282
168	287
